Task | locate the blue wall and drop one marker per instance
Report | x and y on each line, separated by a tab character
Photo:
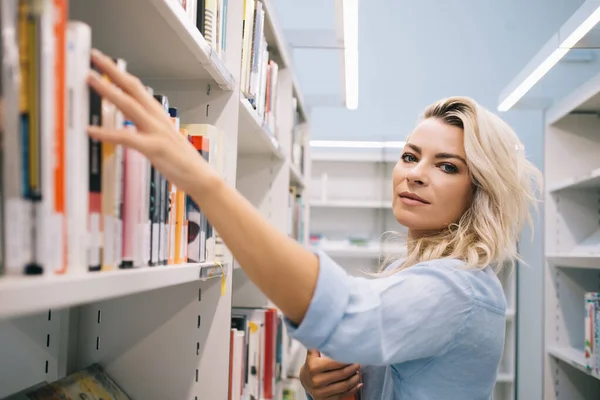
412	54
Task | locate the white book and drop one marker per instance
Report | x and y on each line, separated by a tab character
49	224
119	123
237	370
16	249
210	23
248	34
79	40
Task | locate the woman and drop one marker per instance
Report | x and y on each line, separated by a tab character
432	326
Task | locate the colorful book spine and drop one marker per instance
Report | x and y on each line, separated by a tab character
59	219
28	107
172	210
133	181
591	331
196	239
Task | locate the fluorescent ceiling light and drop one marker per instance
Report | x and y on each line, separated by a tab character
582	30
356	144
532	79
551	60
350	21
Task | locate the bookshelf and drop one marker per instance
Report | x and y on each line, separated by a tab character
572	244
350	200
561	84
165	331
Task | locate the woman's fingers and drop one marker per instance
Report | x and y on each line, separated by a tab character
346	395
327	378
323	364
128	83
342	387
131	108
125	137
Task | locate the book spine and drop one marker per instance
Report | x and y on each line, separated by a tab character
154	216
174	255
133	181
96	188
589	330
47	234
163	218
180	218
208	244
82	175
119	123
14	204
31	129
59	220
196	232
162	202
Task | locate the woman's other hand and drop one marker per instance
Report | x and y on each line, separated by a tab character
155	135
326	379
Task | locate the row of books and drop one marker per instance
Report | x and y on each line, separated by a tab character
592	331
259	72
89	383
295	215
210	17
256	353
71	203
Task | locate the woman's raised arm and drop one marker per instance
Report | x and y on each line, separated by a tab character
280	267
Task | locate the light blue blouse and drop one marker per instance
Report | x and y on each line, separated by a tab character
432	331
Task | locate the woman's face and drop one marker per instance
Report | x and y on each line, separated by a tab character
432	187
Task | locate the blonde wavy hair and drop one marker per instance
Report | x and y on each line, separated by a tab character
505	188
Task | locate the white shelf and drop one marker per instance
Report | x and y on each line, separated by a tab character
510	314
344	249
573	357
351	203
296	177
22	295
571	234
574	260
172	47
254	138
586	98
348	250
588	181
355	156
505	378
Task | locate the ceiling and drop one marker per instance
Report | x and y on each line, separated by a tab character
314	35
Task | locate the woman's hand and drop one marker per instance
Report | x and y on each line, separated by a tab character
326	379
156	136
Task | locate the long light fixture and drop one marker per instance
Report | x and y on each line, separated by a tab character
551	60
350	21
356	144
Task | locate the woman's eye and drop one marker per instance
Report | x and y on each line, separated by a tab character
407	157
449	168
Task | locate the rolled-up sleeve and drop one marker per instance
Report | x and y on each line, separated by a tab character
412	314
